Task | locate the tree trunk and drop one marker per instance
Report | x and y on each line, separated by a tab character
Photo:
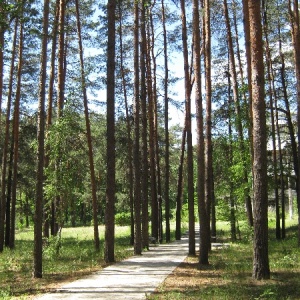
8	192
294	16
187	85
153	180
136	145
166	129
238	120
155	130
49	209
208	141
273	129
249	75
144	175
6	144
16	142
38	221
128	128
230	155
56	213
179	186
203	217
111	144
261	268
88	132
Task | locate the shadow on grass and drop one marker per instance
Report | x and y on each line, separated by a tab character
65	261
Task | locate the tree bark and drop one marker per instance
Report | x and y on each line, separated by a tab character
38	221
179	186
249	76
49	211
111	144
88	133
144	175
6	143
203	217
166	129
261	268
136	145
272	95
294	16
16	142
128	128
238	120
208	139
187	85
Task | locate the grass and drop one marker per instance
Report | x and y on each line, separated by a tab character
227	277
229	274
75	259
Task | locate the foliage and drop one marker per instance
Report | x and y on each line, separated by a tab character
68	160
123	219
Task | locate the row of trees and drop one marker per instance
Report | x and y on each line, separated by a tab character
239	67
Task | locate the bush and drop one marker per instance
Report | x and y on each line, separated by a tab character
123	219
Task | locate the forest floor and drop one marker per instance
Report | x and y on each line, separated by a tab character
228	276
133	278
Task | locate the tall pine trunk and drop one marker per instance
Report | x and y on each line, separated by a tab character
166	129
3	198
261	268
144	159
208	138
88	134
38	221
136	143
128	125
203	217
111	143
188	125
238	118
16	122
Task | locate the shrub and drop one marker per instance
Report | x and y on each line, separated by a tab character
123	219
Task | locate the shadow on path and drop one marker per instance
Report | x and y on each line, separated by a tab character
132	278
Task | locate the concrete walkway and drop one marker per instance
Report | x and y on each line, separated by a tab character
133	278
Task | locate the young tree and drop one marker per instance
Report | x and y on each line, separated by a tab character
261	268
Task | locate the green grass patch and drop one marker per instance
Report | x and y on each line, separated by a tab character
76	257
229	275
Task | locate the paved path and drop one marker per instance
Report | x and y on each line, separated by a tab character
132	278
